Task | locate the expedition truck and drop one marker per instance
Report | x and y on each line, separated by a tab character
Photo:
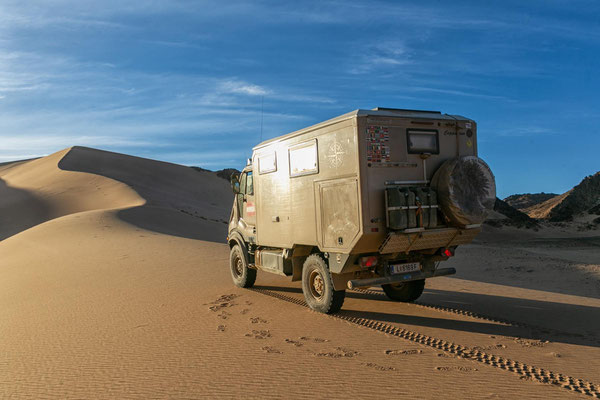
372	197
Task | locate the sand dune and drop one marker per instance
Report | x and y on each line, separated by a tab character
150	193
114	283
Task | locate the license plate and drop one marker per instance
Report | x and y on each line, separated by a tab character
402	268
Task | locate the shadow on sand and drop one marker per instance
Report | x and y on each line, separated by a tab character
21	210
548	324
180	201
175	223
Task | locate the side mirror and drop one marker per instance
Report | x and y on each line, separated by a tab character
235	183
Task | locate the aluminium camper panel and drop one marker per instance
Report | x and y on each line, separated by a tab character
288	196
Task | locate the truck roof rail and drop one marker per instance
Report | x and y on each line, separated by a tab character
405	110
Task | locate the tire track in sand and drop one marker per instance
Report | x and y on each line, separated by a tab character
524	371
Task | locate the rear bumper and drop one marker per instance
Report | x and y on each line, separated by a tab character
400	278
403	242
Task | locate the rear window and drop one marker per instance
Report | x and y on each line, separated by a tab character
422	141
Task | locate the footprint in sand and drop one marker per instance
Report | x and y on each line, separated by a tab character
403	352
379	367
456	368
531	343
258	320
224	301
316	339
490	347
224	315
340	352
259	334
294	342
271	350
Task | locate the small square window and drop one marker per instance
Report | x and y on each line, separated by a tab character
422	141
267	163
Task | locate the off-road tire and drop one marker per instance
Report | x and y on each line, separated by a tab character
317	286
405	292
243	276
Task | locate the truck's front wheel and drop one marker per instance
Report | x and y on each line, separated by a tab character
243	276
318	286
405	292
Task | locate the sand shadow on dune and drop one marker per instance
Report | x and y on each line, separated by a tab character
180	201
175	223
20	211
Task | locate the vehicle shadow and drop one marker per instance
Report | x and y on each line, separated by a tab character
546	326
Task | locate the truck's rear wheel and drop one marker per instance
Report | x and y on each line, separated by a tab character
405	292
318	286
243	276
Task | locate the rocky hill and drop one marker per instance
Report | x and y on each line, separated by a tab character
581	198
585	197
526	200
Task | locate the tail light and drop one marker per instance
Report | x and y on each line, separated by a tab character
446	252
367	262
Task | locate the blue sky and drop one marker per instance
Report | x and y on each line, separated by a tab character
183	81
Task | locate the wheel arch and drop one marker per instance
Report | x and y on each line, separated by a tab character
235	238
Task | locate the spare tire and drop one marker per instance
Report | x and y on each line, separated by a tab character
466	190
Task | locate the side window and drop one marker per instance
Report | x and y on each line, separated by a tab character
304	159
250	184
243	183
267	163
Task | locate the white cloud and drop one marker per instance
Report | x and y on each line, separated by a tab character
240	87
457	93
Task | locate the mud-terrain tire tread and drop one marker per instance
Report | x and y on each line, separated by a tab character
248	277
407	292
332	299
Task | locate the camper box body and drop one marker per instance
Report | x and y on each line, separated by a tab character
325	187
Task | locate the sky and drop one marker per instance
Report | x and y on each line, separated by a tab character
201	82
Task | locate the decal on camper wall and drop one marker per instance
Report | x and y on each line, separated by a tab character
378	148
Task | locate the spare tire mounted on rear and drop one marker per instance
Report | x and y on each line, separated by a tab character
466	190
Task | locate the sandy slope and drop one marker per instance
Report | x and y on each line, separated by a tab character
119	299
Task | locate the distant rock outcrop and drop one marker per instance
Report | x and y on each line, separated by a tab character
583	197
222	173
526	200
226	173
512	216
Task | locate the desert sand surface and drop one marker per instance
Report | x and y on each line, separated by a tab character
115	283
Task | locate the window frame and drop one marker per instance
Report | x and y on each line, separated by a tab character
308	143
419	130
267	171
249	174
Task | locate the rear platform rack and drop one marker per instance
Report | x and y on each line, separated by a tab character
403	242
